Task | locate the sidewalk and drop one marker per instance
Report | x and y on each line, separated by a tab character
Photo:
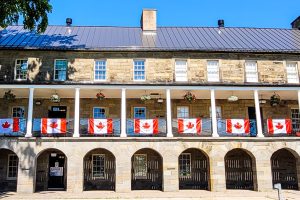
151	195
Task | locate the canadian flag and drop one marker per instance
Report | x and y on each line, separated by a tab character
9	125
100	126
55	125
189	125
238	126
146	126
279	126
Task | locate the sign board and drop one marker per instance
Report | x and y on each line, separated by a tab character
56	171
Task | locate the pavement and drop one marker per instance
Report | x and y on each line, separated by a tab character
157	195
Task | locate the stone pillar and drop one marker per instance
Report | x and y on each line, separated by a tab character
214	114
75	173
217	169
258	115
30	111
123	171
123	113
26	171
170	171
263	179
77	113
169	113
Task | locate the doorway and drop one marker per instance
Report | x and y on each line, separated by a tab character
252	117
56	171
57	112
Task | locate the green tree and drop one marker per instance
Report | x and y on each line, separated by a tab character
34	12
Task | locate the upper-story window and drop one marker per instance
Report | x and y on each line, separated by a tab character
60	70
100	70
213	74
21	69
251	71
99	113
292	72
139	70
182	112
18	112
180	70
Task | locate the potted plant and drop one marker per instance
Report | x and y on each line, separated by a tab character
9	96
275	100
100	96
145	98
189	97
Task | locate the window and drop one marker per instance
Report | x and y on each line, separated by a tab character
180	70
182	112
139	113
21	69
12	168
213	71
60	70
140	166
251	71
185	164
292	72
18	112
100	70
295	119
99	113
98	167
218	110
139	70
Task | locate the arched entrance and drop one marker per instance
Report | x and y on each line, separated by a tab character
193	167
239	170
51	171
284	169
99	167
146	170
9	163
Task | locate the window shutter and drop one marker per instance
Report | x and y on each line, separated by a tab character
213	71
251	72
292	73
180	70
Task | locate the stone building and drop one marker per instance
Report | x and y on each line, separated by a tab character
149	108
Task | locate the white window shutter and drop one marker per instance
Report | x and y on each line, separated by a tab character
292	73
180	70
213	71
251	72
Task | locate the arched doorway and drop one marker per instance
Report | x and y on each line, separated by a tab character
99	167
239	170
146	170
9	163
284	169
51	171
193	167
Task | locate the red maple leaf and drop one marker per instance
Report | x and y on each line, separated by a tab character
190	125
146	125
238	125
279	125
100	125
53	125
6	125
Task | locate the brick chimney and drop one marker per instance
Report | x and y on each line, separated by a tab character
296	23
148	21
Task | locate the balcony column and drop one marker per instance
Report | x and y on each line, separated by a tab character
77	113
258	115
30	111
123	113
169	113
214	114
299	99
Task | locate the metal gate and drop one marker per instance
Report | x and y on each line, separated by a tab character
193	170
146	171
238	169
284	169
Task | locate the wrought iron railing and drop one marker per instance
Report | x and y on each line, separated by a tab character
13	127
162	129
222	131
38	132
86	132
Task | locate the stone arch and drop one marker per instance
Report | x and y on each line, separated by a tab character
284	163
51	170
99	166
193	166
146	170
240	170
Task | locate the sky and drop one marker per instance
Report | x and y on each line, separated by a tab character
236	13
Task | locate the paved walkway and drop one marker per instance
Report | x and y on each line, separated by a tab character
151	195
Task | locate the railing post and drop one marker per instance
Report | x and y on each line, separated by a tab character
169	113
214	114
258	115
30	112
77	113
123	113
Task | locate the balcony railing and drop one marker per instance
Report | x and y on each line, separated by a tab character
86	129
48	127
281	128
146	127
13	127
240	130
204	127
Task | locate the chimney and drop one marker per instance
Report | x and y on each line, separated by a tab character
296	23
220	23
148	21
69	21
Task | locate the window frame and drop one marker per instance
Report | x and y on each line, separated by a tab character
98	177
186	70
15	70
188	108
8	167
294	119
144	176
139	107
137	60
105	112
55	69
256	71
12	111
190	166
218	72
100	80
297	72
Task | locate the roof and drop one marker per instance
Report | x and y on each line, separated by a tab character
99	38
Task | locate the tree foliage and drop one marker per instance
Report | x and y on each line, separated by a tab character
34	12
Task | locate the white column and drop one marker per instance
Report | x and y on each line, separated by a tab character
77	113
169	113
258	115
214	114
299	99
123	113
30	111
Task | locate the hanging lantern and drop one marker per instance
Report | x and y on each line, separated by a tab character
55	98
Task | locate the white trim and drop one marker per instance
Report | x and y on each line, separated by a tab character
102	177
8	158
102	80
54	69
123	113
134	60
15	70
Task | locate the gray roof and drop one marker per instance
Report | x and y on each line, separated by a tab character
97	38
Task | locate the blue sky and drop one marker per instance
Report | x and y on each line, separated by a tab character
236	13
